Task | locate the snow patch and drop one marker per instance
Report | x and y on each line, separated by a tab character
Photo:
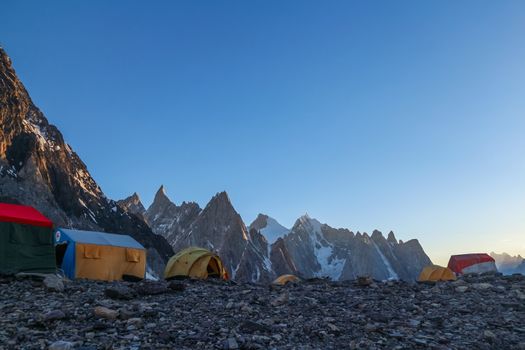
273	230
391	272
331	266
150	275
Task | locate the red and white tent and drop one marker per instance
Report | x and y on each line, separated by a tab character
472	263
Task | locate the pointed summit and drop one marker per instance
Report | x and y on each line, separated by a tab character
259	223
303	220
161	197
308	223
132	204
269	228
223	197
376	234
135	197
391	237
222	201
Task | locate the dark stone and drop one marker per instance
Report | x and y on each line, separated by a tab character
120	292
151	287
251	327
176	286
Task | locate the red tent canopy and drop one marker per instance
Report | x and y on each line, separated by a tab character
21	214
458	262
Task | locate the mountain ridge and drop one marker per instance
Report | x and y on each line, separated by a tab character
309	249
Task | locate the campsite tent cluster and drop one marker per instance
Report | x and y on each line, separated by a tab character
458	265
28	243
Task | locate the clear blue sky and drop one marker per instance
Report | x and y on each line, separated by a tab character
402	115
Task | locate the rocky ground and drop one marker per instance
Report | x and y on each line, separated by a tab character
482	312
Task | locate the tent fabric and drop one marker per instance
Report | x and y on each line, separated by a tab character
104	256
26	248
283	279
472	263
22	214
197	263
101	238
434	273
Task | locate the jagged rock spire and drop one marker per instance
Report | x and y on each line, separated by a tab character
391	237
160	197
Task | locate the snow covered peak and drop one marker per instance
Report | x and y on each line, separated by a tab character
305	217
308	223
273	230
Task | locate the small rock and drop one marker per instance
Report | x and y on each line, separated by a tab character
90	335
370	327
333	328
61	345
481	286
125	313
54	283
364	281
54	315
281	299
519	294
150	325
414	323
231	343
489	335
135	321
459	282
250	327
151	288
120	292
277	337
461	289
104	312
176	286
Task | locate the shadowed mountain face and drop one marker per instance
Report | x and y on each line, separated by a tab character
267	249
38	168
318	250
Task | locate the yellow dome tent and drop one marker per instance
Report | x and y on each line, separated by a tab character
435	273
283	279
197	263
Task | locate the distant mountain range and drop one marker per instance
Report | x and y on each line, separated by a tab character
508	264
266	249
38	168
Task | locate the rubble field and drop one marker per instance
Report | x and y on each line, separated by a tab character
474	312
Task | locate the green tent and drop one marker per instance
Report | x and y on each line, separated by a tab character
26	240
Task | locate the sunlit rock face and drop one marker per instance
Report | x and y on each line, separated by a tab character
38	168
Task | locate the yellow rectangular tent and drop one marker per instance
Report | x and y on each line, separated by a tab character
99	255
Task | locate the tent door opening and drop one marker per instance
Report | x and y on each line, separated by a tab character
213	269
60	251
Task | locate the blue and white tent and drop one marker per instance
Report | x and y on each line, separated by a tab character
99	255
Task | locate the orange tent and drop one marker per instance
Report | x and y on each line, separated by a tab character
434	273
282	280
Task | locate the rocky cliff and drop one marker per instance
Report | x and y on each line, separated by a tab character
38	168
318	250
